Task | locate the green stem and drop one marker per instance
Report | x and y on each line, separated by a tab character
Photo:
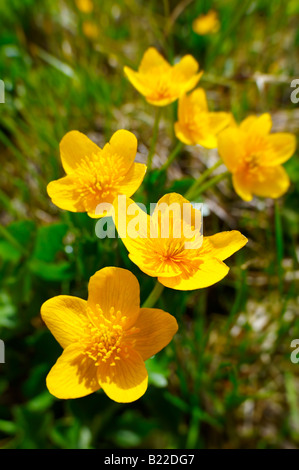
193	189
154	139
172	156
154	296
212	182
279	245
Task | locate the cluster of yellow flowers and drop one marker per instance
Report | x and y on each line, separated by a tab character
107	338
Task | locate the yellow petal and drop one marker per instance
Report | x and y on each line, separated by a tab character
273	182
138	80
219	121
149	264
282	147
223	244
257	124
157	329
231	147
74	147
243	185
65	316
64	194
117	288
127	380
122	149
152	59
184	134
74	375
133	180
198	98
210	271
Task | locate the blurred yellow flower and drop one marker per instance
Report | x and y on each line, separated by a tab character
254	157
206	24
160	82
90	29
86	6
196	125
95	175
163	248
106	339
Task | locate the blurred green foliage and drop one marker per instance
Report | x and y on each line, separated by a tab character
226	380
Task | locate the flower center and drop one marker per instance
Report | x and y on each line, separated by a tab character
98	180
106	339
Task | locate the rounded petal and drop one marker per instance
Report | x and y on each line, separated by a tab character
117	288
243	185
283	146
198	98
257	124
219	121
223	244
133	179
157	329
152	59
138	81
74	375
65	316
185	68
65	195
231	147
210	271
74	147
274	182
122	149
184	134
127	380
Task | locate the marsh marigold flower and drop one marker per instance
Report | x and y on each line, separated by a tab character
254	157
206	24
180	260
196	125
86	6
96	175
160	82
106	339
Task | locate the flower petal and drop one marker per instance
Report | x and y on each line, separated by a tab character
273	182
224	244
257	124
122	149
65	195
74	147
139	81
65	317
243	185
219	121
157	329
74	375
231	147
117	288
283	146
151	60
127	380
133	180
210	271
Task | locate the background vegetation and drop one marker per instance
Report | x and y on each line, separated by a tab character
226	380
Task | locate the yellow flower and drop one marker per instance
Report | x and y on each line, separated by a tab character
90	29
163	248
160	82
96	175
254	157
106	339
206	24
196	125
86	6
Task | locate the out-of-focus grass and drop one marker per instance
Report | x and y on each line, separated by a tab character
226	380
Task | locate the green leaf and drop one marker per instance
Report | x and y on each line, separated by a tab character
49	241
